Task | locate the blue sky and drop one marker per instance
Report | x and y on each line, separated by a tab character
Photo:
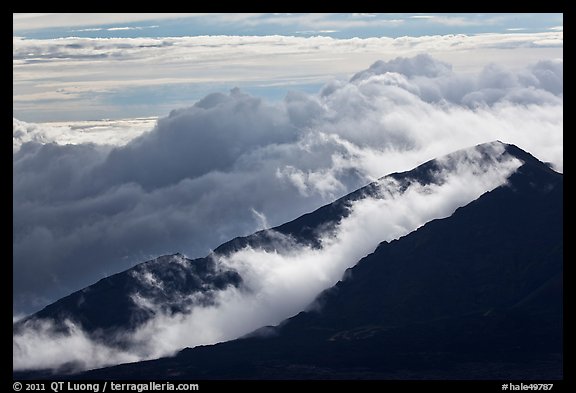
360	25
70	67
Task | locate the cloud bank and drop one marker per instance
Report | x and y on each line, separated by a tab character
64	78
276	284
210	172
102	132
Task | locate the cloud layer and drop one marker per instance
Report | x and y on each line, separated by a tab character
102	132
276	284
109	77
213	171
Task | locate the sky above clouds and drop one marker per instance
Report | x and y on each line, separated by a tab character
137	135
340	25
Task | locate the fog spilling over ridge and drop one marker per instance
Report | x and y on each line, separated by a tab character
278	283
212	171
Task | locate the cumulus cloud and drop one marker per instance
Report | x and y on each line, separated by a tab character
210	136
276	283
213	171
420	65
434	81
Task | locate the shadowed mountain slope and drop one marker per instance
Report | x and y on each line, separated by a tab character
477	295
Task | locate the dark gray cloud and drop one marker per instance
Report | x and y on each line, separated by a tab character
191	142
213	171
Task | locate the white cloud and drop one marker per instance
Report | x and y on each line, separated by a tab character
40	346
90	29
84	71
103	132
124	28
364	15
316	31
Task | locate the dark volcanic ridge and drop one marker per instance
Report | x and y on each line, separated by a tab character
477	295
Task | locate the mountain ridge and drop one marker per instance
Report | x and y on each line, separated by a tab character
201	275
531	170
